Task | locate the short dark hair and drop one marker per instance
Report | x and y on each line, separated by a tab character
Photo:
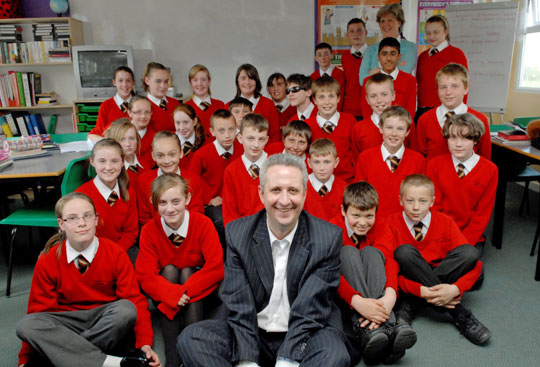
240	101
271	78
302	80
360	195
322	46
252	73
389	42
469	121
221	114
298	127
356	21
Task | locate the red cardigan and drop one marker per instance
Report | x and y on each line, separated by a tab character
431	143
469	201
353	90
201	248
58	286
365	135
380	237
339	75
108	112
240	192
341	136
210	167
145	153
426	71
405	90
443	235
204	116
143	189
163	120
371	167
285	117
118	222
328	206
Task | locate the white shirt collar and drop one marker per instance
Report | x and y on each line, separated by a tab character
140	132
307	112
119	100
160	172
327	71
182	230
222	150
442	110
375	118
135	162
334	119
469	163
287	240
253	100
104	190
198	101
362	49
183	140
386	153
426	221
347	227
318	184
259	162
89	253
393	74
442	46
284	103
156	100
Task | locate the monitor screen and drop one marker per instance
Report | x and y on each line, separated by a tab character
97	67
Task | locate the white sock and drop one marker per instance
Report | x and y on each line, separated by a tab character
112	361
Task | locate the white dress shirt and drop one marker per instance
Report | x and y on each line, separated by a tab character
155	100
135	163
182	230
221	150
442	110
118	100
198	101
386	154
252	100
89	253
334	120
259	162
307	112
318	184
426	221
104	190
375	118
469	163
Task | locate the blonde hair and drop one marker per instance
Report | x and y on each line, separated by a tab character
380	78
119	129
197	68
254	120
323	146
149	68
165	182
123	178
394	9
136	99
396	111
454	70
325	82
166	134
417	180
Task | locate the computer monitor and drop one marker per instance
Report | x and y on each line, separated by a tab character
94	67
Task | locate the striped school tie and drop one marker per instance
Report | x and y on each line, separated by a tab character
418	231
113	197
394	162
302	117
124	107
188	147
133	168
449	115
460	170
82	264
433	52
176	239
254	171
204	105
226	155
163	104
328	127
357	54
323	190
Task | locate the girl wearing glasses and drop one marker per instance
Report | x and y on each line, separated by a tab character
140	114
84	300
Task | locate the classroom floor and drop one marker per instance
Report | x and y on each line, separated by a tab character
507	303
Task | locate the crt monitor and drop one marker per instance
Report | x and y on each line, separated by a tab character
94	67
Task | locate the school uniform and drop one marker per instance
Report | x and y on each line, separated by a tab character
200	248
310	110
187	151
58	287
205	114
430	141
117	222
351	61
429	65
162	119
468	200
240	189
144	155
265	107
341	136
404	89
285	112
337	74
374	166
278	147
365	135
442	256
144	190
328	205
110	110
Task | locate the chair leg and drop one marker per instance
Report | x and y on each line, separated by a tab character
537	234
10	263
524	200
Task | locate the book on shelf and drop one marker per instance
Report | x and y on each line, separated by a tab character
35	52
46	98
514	135
22	124
17	89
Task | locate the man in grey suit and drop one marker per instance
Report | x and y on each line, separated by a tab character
281	275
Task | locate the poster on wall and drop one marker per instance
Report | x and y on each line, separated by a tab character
428	9
332	16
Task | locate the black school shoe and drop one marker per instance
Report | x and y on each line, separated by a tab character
405	310
137	358
402	337
468	325
372	343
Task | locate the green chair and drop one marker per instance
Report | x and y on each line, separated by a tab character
68	138
75	175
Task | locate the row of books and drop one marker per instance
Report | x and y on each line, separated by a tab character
19	89
22	124
10	33
35	52
514	137
50	31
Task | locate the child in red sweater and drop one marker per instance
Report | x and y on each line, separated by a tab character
156	83
116	107
190	132
379	95
115	200
299	94
432	60
241	177
404	83
239	107
248	86
369	280
180	260
465	183
276	87
385	166
336	126
436	263
140	113
351	60
325	190
323	57
167	153
93	279
201	101
453	86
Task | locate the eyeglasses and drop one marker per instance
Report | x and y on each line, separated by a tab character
74	219
293	90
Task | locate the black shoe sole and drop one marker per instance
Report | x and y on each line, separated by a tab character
374	348
404	339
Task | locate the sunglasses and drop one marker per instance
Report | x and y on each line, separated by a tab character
293	90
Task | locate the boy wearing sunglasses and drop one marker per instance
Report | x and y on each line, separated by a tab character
299	94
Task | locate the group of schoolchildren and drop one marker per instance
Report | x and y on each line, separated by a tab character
412	200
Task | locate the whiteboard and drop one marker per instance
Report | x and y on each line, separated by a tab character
486	33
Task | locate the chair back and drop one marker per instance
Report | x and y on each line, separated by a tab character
77	173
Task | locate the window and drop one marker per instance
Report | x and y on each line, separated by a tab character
529	71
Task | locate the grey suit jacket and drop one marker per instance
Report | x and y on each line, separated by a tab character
313	273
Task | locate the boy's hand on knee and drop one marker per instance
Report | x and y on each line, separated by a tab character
444	294
389	299
184	300
371	309
151	355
